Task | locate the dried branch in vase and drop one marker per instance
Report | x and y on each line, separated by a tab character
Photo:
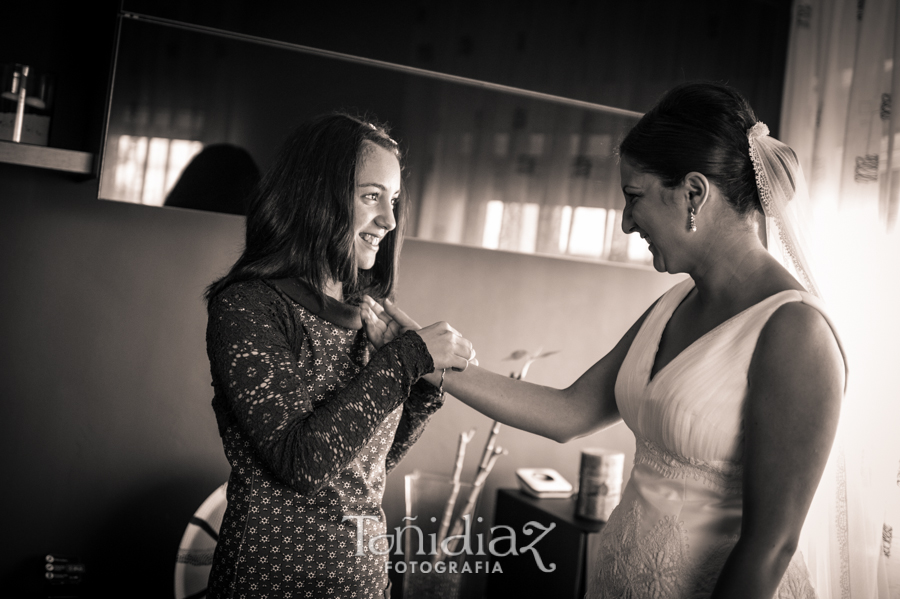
489	457
530	359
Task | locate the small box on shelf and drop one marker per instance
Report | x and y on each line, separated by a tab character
544	483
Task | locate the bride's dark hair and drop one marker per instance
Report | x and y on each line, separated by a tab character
700	127
300	218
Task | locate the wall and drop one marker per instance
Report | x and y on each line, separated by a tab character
105	421
503	302
622	54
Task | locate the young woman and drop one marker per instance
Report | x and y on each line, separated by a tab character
311	419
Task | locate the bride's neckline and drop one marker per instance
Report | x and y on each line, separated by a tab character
656	370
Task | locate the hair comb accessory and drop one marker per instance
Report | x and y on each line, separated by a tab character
754	133
760	129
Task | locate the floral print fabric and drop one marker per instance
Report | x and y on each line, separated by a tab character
310	424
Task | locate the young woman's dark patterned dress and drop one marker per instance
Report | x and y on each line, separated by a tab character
311	426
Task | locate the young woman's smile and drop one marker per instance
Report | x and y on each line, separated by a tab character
376	194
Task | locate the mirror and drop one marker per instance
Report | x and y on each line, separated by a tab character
197	113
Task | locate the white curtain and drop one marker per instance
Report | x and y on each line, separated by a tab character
838	116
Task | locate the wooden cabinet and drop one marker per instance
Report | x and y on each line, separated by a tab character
565	546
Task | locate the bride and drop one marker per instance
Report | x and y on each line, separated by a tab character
732	381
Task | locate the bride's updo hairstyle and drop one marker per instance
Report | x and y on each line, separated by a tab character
698	127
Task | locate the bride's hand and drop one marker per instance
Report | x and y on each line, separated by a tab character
380	328
400	317
384	323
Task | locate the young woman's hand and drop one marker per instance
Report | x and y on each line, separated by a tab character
447	347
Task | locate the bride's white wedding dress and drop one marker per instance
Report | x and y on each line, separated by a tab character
680	512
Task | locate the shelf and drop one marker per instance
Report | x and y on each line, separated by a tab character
69	161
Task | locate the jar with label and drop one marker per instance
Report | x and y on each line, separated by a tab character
26	99
600	483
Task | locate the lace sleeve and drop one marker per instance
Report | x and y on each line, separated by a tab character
424	400
262	386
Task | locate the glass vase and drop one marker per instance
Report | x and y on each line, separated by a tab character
438	536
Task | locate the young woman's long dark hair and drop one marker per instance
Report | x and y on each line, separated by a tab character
300	219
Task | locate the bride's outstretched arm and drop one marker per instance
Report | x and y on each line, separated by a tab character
582	408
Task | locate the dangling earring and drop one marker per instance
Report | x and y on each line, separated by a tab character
692	224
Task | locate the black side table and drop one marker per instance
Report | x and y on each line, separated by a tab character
565	545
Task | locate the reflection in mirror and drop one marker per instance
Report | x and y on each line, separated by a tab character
515	173
196	114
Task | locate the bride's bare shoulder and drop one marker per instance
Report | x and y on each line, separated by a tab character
798	343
